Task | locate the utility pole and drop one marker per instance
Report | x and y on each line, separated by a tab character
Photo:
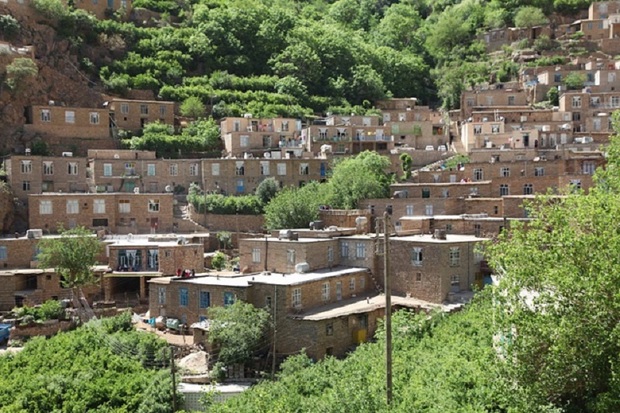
275	331
388	308
174	383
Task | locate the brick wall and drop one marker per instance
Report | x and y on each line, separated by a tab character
277	253
233	223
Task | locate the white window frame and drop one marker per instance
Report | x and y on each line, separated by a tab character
93	118
107	169
193	169
124	206
72	168
455	256
69	116
46	115
151	169
504	172
330	254
325	293
290	257
73	206
296	298
264	168
504	190
173	169
26	166
344	249
281	168
215	169
153	205
360	250
161	295
45	207
304	169
48	168
124	108
244	141
539	171
98	206
352	284
416	256
256	255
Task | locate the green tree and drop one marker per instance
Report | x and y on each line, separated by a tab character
553	96
219	261
361	177
405	163
204	134
9	26
530	16
574	81
267	189
296	207
19	72
237	330
52	9
192	107
73	256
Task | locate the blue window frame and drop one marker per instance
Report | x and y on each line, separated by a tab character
205	299
229	299
183	297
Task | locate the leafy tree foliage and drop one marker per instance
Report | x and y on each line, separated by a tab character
237	331
267	189
103	366
19	71
529	16
192	107
296	207
361	177
72	255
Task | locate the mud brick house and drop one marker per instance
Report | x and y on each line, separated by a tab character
140	171
40	174
242	176
348	135
256	136
115	212
67	129
132	115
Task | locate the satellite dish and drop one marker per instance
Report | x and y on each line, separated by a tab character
168	188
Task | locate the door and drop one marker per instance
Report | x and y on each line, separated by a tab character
154	224
339	290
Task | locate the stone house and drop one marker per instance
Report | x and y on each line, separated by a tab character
591	113
69	122
115	212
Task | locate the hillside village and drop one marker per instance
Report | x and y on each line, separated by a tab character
474	170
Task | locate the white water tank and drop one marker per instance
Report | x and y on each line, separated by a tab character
302	267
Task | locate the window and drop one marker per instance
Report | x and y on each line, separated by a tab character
72	168
428	210
455	256
69	116
162	111
504	190
418	276
360	250
344	249
329	329
130	169
539	171
48	168
330	255
477	129
362	282
511	100
455	281
99	206
528	189
144	110
416	256
281	169
94	118
45	207
239	169
290	257
153	205
26	167
150	169
352	284
325	292
478	174
615	101
576	101
205	299
124	108
183	297
124	206
268	302
107	169
304	169
193	169
588	167
256	255
26	185
296	301
161	295
264	167
46	116
3	254
409	210
504	172
173	169
240	187
73	206
557	77
338	290
215	169
495	128
244	141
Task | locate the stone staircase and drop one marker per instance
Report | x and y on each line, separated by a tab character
182	214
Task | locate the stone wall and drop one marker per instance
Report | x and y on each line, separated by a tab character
233	223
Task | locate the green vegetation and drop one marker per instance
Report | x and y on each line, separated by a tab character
20	71
237	331
104	366
49	310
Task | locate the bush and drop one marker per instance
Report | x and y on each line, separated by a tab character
219	261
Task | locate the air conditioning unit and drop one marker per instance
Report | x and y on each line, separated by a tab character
302	267
67	154
34	234
117	156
